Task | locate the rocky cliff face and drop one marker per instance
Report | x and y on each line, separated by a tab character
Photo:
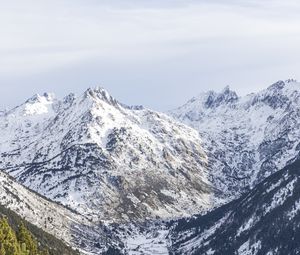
105	160
246	138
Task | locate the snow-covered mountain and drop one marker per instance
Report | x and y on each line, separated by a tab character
74	229
105	160
263	221
246	138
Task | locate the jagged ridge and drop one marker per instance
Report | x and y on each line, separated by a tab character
246	138
104	160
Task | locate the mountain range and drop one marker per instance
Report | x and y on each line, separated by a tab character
245	138
218	174
106	161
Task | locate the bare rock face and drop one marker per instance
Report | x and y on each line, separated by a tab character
106	161
246	138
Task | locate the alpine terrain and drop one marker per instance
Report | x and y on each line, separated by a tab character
246	138
104	160
62	223
263	221
218	175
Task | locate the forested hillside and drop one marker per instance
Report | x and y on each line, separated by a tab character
18	237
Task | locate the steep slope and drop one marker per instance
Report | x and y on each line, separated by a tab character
264	221
45	241
72	228
105	160
246	138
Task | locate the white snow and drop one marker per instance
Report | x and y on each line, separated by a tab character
234	132
246	226
280	196
148	244
148	147
199	240
247	249
294	211
49	216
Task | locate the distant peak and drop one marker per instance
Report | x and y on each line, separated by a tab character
226	96
280	85
290	81
100	93
98	90
277	85
37	104
44	98
226	89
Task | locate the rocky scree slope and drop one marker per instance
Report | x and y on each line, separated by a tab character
246	138
105	160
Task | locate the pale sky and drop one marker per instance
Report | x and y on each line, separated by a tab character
157	53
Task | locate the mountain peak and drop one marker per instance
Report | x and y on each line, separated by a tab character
290	81
226	89
99	93
101	150
224	97
44	98
279	85
36	105
206	100
279	95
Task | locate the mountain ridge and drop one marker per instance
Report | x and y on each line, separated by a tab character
257	132
120	170
91	153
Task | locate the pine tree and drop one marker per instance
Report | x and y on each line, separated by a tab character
20	243
8	240
24	250
44	252
26	240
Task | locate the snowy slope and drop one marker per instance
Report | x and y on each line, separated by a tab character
105	160
35	209
72	228
246	138
263	221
